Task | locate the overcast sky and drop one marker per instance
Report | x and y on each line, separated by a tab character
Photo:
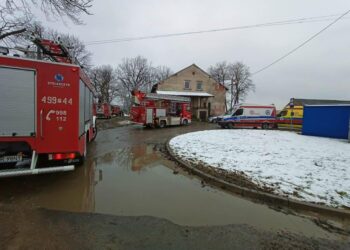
319	70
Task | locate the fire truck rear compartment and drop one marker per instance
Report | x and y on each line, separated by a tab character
17	102
17	116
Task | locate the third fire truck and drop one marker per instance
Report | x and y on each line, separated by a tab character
155	110
103	110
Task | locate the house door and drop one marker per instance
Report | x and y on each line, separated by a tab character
209	109
203	115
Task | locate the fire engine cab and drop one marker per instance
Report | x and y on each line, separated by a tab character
116	110
156	110
46	112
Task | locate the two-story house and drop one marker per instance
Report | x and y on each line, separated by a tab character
208	97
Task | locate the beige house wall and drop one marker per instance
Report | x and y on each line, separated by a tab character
195	75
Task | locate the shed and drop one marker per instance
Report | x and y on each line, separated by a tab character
330	120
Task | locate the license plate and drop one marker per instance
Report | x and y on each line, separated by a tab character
10	158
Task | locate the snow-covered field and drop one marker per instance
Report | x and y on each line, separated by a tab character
303	167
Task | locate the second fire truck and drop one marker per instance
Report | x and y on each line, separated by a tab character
155	110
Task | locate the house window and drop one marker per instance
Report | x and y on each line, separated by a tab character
187	84
199	85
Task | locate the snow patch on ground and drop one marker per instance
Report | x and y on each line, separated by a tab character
306	168
126	122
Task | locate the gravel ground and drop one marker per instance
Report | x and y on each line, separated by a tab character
125	172
64	230
114	122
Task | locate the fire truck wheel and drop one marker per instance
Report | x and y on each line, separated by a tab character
185	122
265	126
230	126
82	158
95	134
162	124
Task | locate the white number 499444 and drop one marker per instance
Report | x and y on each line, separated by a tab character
56	100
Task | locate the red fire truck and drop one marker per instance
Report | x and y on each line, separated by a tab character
156	110
103	110
116	110
46	113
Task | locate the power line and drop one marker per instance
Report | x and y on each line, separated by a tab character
277	23
302	44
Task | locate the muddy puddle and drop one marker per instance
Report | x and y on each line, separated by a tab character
127	174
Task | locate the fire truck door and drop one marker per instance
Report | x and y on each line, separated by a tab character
149	115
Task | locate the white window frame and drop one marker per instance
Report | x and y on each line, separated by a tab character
189	84
199	83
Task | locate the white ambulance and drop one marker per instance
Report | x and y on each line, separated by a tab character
250	116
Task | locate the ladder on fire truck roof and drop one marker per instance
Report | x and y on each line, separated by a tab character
154	96
56	51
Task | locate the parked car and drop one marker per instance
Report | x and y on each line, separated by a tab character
215	119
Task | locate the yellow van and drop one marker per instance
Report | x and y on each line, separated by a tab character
290	117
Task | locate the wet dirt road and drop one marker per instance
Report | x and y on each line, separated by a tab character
127	174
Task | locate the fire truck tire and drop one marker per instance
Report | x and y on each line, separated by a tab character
185	122
265	126
230	125
82	158
162	124
95	134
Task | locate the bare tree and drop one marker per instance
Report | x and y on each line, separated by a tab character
240	82
138	74
134	73
16	15
11	25
234	76
220	73
124	97
105	82
160	73
57	8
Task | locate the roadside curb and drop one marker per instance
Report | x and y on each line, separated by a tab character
259	195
